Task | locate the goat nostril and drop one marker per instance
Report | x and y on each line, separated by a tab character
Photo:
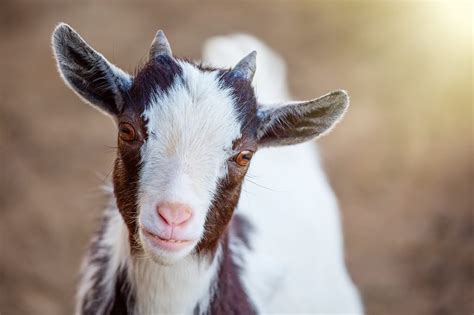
163	217
174	213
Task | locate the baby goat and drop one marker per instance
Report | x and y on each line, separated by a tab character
170	242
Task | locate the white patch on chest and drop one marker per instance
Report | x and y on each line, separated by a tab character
175	289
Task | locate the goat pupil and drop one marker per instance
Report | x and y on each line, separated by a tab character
126	130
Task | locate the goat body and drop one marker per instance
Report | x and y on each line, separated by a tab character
186	232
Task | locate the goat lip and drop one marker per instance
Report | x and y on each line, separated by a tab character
168	244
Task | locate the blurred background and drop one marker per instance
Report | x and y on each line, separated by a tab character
401	162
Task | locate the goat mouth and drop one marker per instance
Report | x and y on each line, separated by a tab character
164	243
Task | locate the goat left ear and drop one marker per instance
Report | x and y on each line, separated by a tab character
88	73
297	122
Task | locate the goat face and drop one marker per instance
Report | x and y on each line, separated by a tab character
186	135
185	154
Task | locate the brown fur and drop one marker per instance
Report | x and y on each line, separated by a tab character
227	197
230	296
126	174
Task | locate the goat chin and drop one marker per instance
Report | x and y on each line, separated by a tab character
164	258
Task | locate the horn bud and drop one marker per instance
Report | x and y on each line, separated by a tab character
246	67
160	46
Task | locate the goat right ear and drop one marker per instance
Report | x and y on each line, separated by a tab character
297	122
88	73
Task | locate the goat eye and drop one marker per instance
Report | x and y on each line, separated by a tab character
126	132
243	158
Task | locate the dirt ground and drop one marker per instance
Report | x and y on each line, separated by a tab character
400	163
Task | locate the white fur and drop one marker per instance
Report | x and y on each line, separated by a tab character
190	133
175	289
297	261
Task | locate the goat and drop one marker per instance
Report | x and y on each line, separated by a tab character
178	238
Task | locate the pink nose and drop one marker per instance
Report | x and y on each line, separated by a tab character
174	213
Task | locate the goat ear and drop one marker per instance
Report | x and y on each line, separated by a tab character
88	73
300	121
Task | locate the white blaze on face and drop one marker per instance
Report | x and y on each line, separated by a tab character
190	129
